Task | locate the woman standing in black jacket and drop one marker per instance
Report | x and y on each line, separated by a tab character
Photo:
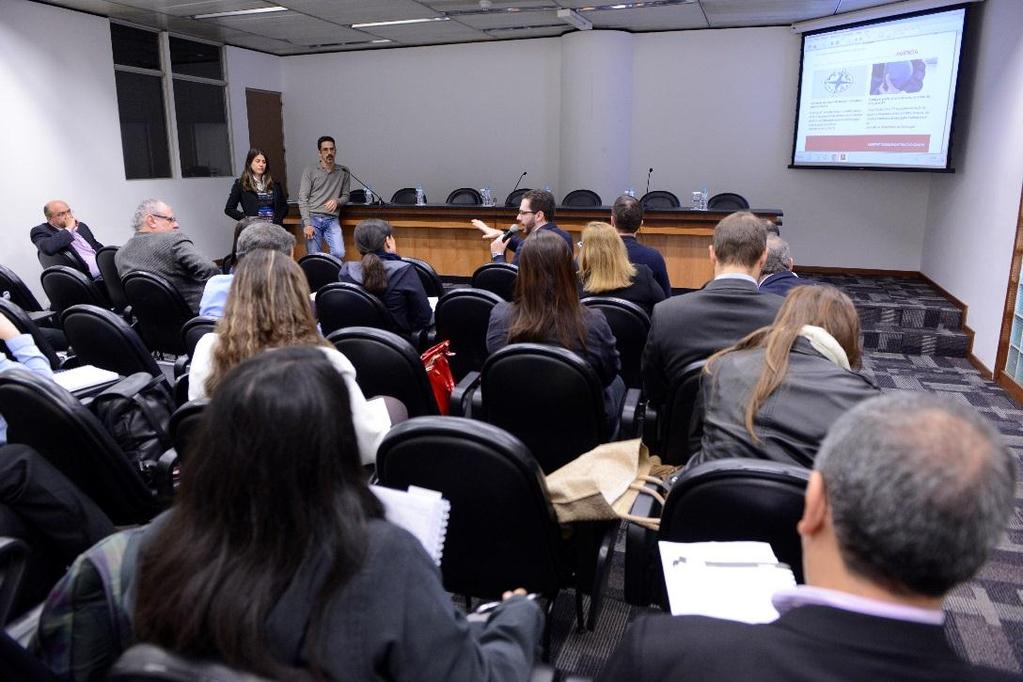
258	193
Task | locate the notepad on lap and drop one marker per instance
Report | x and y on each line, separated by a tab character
83	377
731	580
422	512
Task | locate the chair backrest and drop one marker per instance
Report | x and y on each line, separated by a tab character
582	198
111	280
67	257
160	309
502	529
515	198
630	325
102	338
150	663
194	330
659	199
428	276
549	397
13	555
387	364
65	287
342	304
25	325
406	196
675	417
357	196
739	499
463	317
727	201
465	196
320	269
184	423
13	289
496	277
44	416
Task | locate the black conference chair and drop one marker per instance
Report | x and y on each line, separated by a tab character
387	364
582	198
673	430
66	257
463	317
44	416
184	424
341	305
725	500
160	309
405	196
102	338
20	319
357	196
320	269
502	529
560	392
498	278
630	325
727	201
195	329
659	199
465	196
111	280
150	663
13	289
515	198
428	276
13	557
65	287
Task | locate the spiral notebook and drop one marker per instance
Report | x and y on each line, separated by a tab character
420	511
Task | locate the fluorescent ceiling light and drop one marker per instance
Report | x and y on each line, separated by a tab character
400	21
241	12
380	40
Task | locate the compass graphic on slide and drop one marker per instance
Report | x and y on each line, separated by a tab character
838	82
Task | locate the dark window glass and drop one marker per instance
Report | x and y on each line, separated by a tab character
189	58
202	129
143	126
135	47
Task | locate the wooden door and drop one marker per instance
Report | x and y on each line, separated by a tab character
266	129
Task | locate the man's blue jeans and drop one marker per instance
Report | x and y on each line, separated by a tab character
327	229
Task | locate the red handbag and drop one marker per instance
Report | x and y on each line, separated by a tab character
438	371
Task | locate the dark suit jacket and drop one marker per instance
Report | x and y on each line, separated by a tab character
808	643
641	254
515	242
693	326
50	239
250	203
780	283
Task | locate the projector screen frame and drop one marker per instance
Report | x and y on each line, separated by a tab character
968	10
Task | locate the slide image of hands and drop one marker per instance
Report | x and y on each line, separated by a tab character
840	81
893	78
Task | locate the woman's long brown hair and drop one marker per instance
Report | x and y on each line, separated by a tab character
819	305
267	307
546	295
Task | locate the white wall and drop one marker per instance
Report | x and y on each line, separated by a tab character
61	137
248	69
972	215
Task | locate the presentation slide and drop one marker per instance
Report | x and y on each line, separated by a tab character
880	95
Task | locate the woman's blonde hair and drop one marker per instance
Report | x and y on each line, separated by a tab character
818	305
267	307
603	261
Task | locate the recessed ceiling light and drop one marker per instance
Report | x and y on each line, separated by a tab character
400	21
241	12
380	40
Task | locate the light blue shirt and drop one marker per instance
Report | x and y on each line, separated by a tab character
25	352
214	296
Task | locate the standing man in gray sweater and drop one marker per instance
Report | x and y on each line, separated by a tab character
324	190
161	248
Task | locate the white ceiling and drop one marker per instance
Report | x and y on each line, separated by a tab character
321	25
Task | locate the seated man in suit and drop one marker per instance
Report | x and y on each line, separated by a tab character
161	248
627	218
256	235
536	213
908	496
777	277
62	231
693	326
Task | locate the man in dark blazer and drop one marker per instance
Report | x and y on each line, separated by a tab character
909	495
536	214
777	276
693	326
627	218
62	231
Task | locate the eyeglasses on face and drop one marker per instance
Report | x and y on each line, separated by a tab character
168	218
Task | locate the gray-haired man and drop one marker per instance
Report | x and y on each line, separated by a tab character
257	235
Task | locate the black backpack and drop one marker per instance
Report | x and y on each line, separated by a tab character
136	411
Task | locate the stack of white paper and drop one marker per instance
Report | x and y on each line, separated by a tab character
420	511
85	376
731	580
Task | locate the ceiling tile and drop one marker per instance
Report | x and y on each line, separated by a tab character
727	13
524	33
431	33
671	17
474	5
262	43
853	5
360	11
292	27
183	8
511	19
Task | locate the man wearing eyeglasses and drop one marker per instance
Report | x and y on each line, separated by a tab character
161	248
63	232
536	212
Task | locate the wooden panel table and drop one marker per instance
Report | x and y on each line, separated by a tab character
443	236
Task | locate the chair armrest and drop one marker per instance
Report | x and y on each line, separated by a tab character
42	318
424	339
69	361
181	389
181	365
641	551
164	479
463	396
22	629
632	415
650	428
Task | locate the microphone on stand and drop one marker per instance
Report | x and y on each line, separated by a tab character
648	174
378	199
517	183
